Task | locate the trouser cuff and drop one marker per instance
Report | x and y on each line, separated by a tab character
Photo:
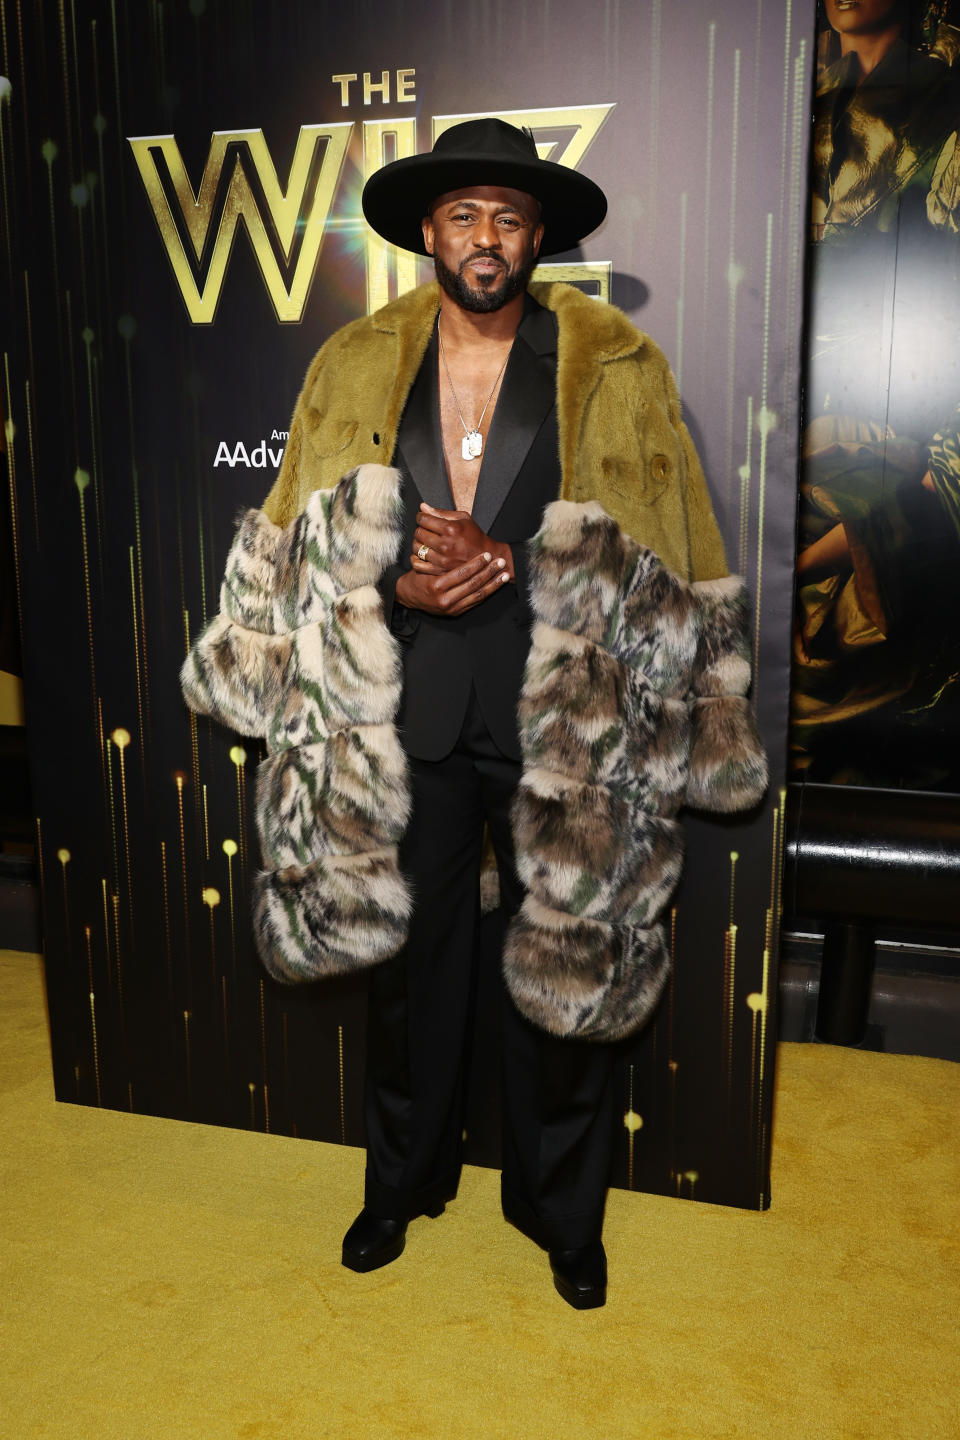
552	1232
393	1202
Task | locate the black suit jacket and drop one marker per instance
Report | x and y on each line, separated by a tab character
520	474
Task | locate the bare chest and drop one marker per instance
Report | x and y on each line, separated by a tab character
468	400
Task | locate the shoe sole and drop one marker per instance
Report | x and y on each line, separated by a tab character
580	1299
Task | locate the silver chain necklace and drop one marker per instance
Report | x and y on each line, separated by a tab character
471	446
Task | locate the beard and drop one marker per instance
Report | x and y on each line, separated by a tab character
487	297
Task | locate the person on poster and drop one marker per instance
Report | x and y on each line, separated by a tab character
873	699
491	398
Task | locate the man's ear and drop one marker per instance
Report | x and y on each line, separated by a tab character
426	224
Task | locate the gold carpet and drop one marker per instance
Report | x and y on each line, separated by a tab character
165	1281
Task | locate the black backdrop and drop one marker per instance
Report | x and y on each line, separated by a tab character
136	434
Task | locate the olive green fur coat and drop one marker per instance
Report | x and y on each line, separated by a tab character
622	438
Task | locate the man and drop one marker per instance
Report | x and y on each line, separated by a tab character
491	401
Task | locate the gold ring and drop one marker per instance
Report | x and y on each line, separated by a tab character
423	552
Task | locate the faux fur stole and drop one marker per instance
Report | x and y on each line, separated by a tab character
300	657
633	705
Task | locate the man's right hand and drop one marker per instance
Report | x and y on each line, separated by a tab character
456	590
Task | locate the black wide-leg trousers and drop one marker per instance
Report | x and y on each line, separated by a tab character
558	1095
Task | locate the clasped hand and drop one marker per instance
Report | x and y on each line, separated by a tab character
463	565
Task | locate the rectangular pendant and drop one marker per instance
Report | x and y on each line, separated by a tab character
472	445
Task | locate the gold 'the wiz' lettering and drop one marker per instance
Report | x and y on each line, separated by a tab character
381	256
303	206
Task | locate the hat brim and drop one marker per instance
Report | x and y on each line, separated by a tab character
397	197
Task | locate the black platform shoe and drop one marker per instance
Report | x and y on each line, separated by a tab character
580	1275
373	1241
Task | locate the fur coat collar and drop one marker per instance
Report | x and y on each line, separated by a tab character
633	705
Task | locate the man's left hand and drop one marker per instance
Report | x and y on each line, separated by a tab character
453	537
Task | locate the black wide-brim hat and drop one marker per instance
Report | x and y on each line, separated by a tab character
482	152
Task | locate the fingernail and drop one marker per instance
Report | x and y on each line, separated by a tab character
504	578
501	563
486	556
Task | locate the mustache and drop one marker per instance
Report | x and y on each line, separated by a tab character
483	255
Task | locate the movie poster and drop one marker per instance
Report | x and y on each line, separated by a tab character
877	647
181	206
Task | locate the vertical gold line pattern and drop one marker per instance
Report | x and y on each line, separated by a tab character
206	826
630	1130
754	1002
40	873
179	779
116	65
786	106
774	862
239	757
31	382
778	873
106	928
213	946
653	119
253	1105
49	155
136	652
121	739
63	855
96	1047
76	85
101	738
113	814
745	492
165	891
765	421
186	1054
31	455
87	337
202	556
243	810
708	169
733	278
673	971
7	227
3	36
230	849
681	293
82	480
115	900
263	1050
731	998
141	616
762	1059
795	226
99	125
226	1025
65	73
14	516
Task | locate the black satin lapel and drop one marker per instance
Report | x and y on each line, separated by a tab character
419	447
527	394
